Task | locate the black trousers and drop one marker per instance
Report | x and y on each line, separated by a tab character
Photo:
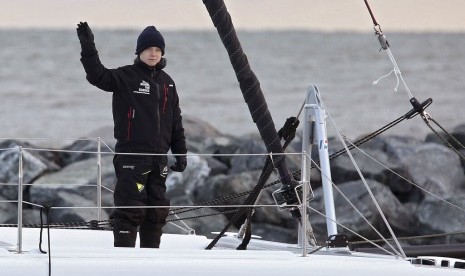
140	182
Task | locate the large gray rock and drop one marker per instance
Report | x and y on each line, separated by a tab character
186	183
7	209
435	168
35	164
83	149
75	186
395	146
446	215
343	170
222	146
243	162
429	165
400	218
196	131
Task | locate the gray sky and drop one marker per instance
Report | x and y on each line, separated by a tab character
327	15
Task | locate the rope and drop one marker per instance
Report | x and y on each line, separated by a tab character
413	237
47	210
92	225
428	118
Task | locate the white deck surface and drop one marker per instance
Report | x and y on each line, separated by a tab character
89	252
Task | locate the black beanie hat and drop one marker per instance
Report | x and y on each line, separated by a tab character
150	37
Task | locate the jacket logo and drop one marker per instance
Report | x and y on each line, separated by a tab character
164	172
140	187
144	88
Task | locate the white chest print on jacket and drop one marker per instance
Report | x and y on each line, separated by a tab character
144	88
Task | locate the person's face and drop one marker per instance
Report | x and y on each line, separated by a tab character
151	56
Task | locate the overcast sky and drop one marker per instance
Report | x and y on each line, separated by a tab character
329	15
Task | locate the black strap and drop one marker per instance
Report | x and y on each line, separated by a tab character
248	231
289	127
47	210
287	132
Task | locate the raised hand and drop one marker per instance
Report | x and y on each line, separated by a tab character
84	33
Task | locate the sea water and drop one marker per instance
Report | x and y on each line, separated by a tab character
44	92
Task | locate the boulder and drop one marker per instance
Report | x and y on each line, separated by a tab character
75	186
187	183
343	170
7	210
244	163
436	216
435	168
35	164
81	150
401	219
196	131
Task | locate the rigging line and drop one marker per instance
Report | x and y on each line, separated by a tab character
445	131
68	151
409	181
340	136
53	139
32	204
398	73
385	46
186	228
5	149
417	237
205	215
427	118
107	146
353	232
157	154
356	209
370	136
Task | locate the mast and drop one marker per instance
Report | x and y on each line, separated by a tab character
314	132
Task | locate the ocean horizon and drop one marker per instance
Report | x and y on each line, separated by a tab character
45	94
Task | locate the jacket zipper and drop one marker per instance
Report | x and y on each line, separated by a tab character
131	116
165	99
158	130
158	109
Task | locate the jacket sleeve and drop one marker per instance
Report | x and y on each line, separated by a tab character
178	139
98	75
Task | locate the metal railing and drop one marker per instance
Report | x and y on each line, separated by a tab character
99	186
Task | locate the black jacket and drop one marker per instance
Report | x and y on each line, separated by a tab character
146	110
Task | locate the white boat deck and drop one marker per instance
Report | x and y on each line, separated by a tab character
91	252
